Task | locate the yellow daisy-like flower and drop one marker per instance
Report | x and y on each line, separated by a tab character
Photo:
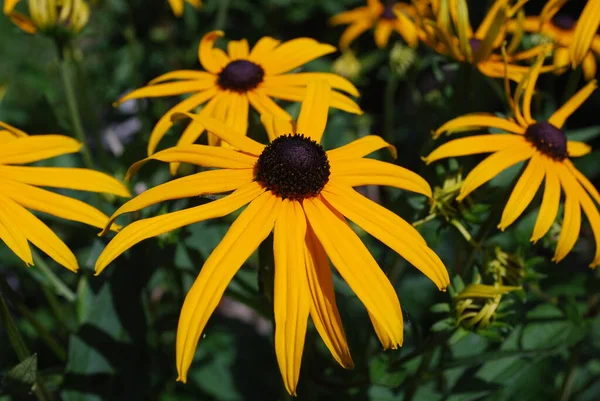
302	192
65	16
449	32
393	16
20	192
241	78
548	150
560	30
585	32
178	5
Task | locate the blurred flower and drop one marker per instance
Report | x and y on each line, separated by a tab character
54	17
449	32
559	29
506	268
20	192
401	59
393	16
302	192
232	82
477	304
347	65
546	147
585	32
178	5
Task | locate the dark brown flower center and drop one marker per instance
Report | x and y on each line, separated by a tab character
563	21
475	45
293	166
548	139
241	76
388	11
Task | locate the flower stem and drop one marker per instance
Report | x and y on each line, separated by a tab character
389	104
221	18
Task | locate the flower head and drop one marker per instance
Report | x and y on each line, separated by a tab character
386	18
241	78
178	5
549	152
56	17
304	193
20	192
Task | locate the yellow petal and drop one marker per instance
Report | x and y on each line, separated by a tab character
69	178
572	215
361	147
382	33
189	75
151	227
324	311
591	211
494	165
313	113
352	32
276	126
38	147
238	49
589	66
463	27
298	94
12	234
583	180
473	145
524	191
529	88
264	46
237	113
177	7
485	291
9	5
305	78
347	17
475	121
389	229
170	89
559	117
252	226
293	54
213	60
206	182
357	172
550	202
496	9
291	292
23	22
358	268
578	149
585	30
265	105
406	28
13	130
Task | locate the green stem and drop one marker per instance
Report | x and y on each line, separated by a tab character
65	59
567	385
60	287
389	104
221	18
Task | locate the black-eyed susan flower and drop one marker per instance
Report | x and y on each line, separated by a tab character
560	30
20	192
393	16
449	32
178	5
549	152
239	78
56	17
304	194
585	32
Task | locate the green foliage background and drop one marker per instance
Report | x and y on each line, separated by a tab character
112	337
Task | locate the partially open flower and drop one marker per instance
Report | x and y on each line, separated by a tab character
477	304
57	18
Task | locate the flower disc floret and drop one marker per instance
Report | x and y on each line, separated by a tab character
241	76
388	12
548	139
293	167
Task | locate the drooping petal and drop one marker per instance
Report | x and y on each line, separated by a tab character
550	202
324	311
265	105
298	94
389	228
291	296
578	149
151	227
529	88
264	46
473	145
313	113
293	54
12	234
70	178
359	148
305	78
347	17
170	89
494	165
585	30
572	215
211	58
591	211
583	180
238	49
382	33
37	147
243	237
276	126
358	268
524	191
352	32
559	117
357	172
475	121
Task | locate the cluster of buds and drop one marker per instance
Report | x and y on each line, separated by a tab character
347	65
56	18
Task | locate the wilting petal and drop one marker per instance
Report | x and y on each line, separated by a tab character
252	226
494	165
572	215
265	45
211	58
147	228
357	172
361	147
291	291
276	126
585	30
265	105
473	145
550	202
324	311
12	234
293	54
358	268
305	78
298	94
238	49
471	122
559	117
389	228
578	149
313	113
524	191
38	147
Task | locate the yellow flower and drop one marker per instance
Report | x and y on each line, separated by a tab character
302	192
546	147
585	32
560	30
477	304
241	78
57	16
20	192
178	5
394	16
450	33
